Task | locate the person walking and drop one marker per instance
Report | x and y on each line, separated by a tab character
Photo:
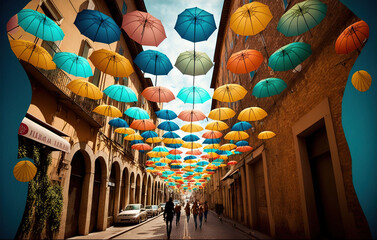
194	211
177	211
205	211
168	215
187	210
200	213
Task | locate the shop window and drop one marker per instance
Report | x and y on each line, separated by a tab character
51	47
51	11
124	8
85	47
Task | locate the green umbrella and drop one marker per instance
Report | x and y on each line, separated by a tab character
192	65
289	56
302	17
269	87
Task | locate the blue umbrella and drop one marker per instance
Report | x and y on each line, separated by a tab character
136	142
212	141
241	126
166	114
160	164
193	95
176	145
39	25
236	152
120	93
73	64
118	122
210	150
190	157
221	152
289	56
170	135
190	138
195	24
97	26
176	167
137	113
269	87
168	126
149	134
202	163
242	143
199	169
173	157
216	163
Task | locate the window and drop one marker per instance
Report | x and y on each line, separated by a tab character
125	81
120	51
252	75
96	77
286	3
51	47
85	47
124	8
51	11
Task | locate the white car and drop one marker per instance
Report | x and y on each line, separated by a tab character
133	213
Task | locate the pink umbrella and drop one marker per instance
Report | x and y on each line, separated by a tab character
194	152
191	115
212	134
158	94
12	25
143	28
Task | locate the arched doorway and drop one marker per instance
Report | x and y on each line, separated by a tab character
132	188
137	191
124	189
113	191
144	190
99	186
149	191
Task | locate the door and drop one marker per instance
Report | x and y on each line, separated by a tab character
95	198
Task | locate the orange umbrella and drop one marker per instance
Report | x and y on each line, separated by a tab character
194	152
212	134
175	151
232	163
244	61
141	146
244	149
191	115
158	94
143	124
352	38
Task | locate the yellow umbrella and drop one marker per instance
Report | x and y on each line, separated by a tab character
228	147
32	53
84	88
191	161
111	63
221	113
361	80
212	146
108	110
173	141
236	135
191	127
132	137
191	145
157	154
252	114
222	165
213	155
124	130
165	160
266	135
250	19
217	126
229	93
188	169
223	157
24	171
153	140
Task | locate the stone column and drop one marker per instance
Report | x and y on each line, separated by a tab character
86	203
103	204
117	199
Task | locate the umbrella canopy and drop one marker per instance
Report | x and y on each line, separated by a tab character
153	140
118	122
175	151
269	87
192	65
173	157
143	28
143	125
191	145
229	93
148	134
352	38
190	138
242	143
252	114
173	145
221	113
124	130
217	126
212	141
212	134
232	163
236	135
160	149
173	140
212	146
191	115
244	149
302	17
194	152
244	61
190	157
168	126
227	147
289	56
111	63
136	142
203	163
170	135
250	19
361	80
191	127
223	152
153	62
84	88
193	95
97	26
12	25
141	147
137	113
73	64
158	94
39	25
108	110
241	126
266	135
32	53
195	24
24	171
132	137
120	93
166	114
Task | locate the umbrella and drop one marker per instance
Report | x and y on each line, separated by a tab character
160	149
191	145
143	124
12	25
352	38
252	114
124	130
166	114
217	126
153	140
210	150
193	95
173	140
168	126
132	137
361	80
173	145
132	142
269	87
118	122
173	157
212	146
223	153
232	163
266	135
137	113
210	155
32	53
97	26
141	147
242	143
203	163
84	88
244	61
244	149
24	171
153	62
221	113
289	56
194	152
227	147
191	127
175	151
229	93
212	141
108	110
250	19
170	135
39	25
212	134
148	134
120	93
195	24
111	63
73	64
241	126
190	138
158	94
302	17
190	157
236	135
193	64
191	115
143	28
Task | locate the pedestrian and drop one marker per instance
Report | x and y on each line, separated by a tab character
168	215
200	213
194	211
187	210
205	211
177	211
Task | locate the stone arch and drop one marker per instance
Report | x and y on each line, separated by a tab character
149	190
124	188
114	189
138	189
132	188
144	190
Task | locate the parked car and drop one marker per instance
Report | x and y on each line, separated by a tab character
161	207
176	202
152	210
133	213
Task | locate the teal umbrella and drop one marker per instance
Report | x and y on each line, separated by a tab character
268	87
289	56
302	17
121	93
137	113
193	95
160	149
73	64
149	134
173	157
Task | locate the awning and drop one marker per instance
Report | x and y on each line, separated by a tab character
36	132
230	173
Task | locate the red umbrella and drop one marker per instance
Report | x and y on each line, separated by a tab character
212	134
232	163
244	149
158	94
191	115
143	124
352	38
143	28
244	61
141	146
194	152
176	161
175	152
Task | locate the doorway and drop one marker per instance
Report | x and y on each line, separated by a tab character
95	197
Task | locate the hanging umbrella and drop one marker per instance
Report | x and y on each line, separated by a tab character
173	140
223	152
236	135
352	38
24	171
191	145
232	163
175	151
124	130
193	65
250	19
190	138
244	149
137	113
289	56
173	157
229	93
252	114
217	126
141	147
361	80
266	135
118	122
194	152
221	113
302	17
212	146
191	115
97	26
132	137
212	134
168	126
32	53
227	147
173	145
132	142
153	62
203	163
12	25
73	64
153	140
244	61
108	110
120	93
269	87
170	135
111	63
158	94
191	127
241	126
190	157
143	125
193	95
39	25
212	141
242	143
166	114
84	88
209	150
148	134
160	149
210	155
143	28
